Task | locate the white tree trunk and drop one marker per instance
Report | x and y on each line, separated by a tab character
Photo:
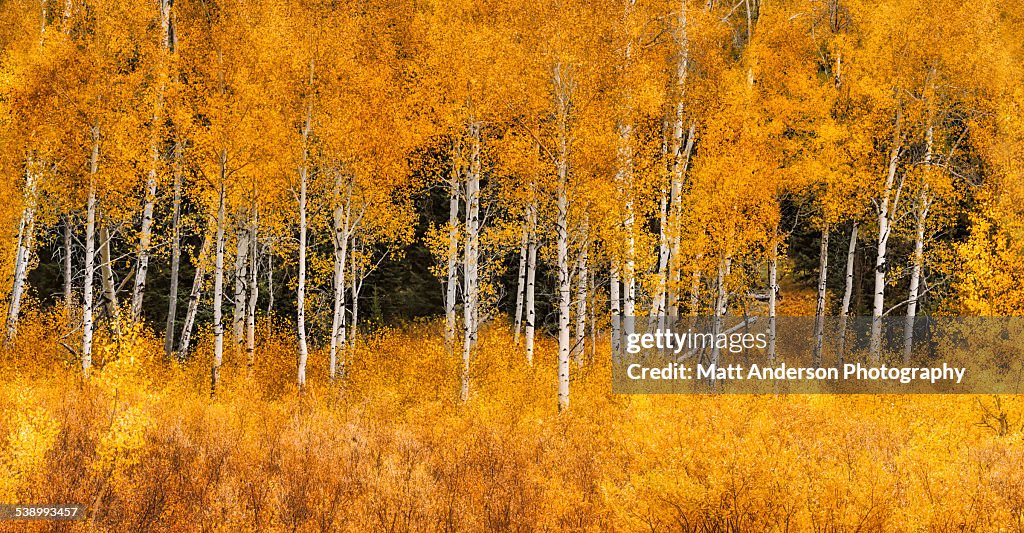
254	293
146	231
69	273
626	183
564	296
521	280
680	155
561	226
680	167
356	287
579	345
924	202
270	278
851	255
23	252
341	215
241	272
592	307
819	313
624	175
886	207
90	255
107	277
453	246
172	297
614	293
145	235
218	284
658	308
301	289
194	296
915	276
531	281
472	250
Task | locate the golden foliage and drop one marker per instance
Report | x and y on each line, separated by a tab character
392	449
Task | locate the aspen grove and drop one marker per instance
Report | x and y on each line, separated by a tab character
453	210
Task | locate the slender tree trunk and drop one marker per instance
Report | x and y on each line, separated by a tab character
241	286
170	42
301	289
146	231
254	292
629	272
341	216
624	184
453	246
338	314
681	165
172	299
680	155
107	276
145	234
23	252
624	176
472	281
69	274
564	297
356	285
658	308
562	228
581	298
851	256
193	299
659	303
616	310
886	207
270	278
915	278
90	255
521	281
218	284
531	280
923	204
593	315
819	314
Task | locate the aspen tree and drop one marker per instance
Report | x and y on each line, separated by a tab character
531	281
844	312
454	188
680	152
201	264
819	314
172	293
254	291
149	201
521	280
90	255
885	209
563	93
471	290
218	282
582	285
26	230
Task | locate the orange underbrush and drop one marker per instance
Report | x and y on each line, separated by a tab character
143	446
